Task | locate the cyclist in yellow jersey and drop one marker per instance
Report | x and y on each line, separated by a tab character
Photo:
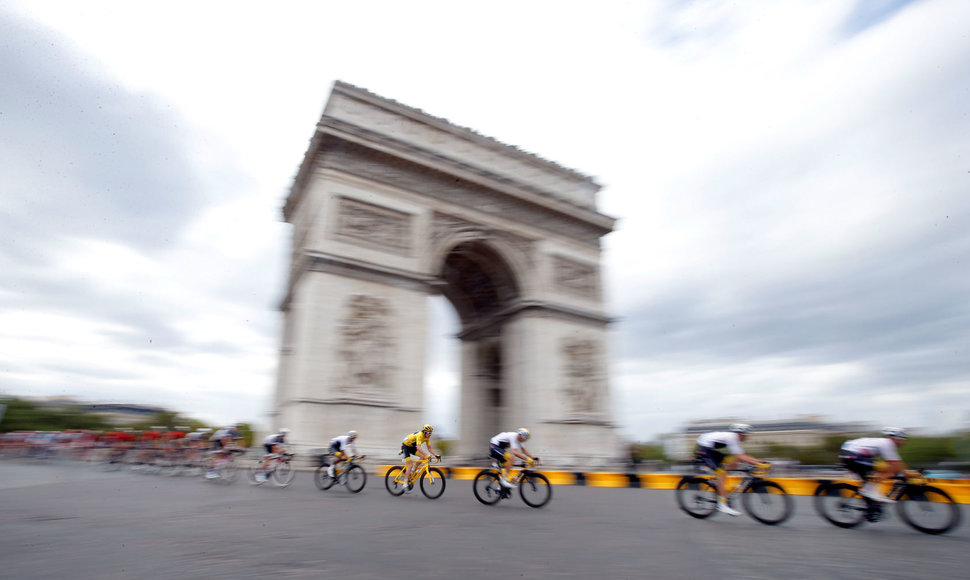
411	446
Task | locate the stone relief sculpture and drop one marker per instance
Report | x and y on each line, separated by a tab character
576	277
388	229
367	348
584	380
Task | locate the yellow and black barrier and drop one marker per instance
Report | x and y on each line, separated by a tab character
958	489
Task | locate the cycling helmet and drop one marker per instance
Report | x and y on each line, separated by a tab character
524	433
740	428
284	431
427	429
352	434
895	432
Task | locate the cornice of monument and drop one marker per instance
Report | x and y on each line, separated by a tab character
534	308
331	126
419	115
323	262
523	192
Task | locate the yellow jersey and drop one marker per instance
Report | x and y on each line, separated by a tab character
415	439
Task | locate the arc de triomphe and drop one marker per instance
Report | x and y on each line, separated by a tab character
392	205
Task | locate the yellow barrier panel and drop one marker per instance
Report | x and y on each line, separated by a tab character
607	479
958	489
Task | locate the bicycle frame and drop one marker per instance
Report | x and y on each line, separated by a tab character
345	465
419	467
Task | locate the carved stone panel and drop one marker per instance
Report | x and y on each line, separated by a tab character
367	349
444	225
585	381
576	277
373	225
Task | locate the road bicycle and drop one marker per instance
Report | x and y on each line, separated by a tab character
922	506
349	474
534	487
765	501
432	479
222	466
280	469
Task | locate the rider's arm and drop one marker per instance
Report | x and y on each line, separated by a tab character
522	454
745	458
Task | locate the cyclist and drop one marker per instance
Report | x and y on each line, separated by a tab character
338	448
411	446
504	446
860	456
274	446
223	441
716	448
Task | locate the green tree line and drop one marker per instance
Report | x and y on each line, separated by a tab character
23	415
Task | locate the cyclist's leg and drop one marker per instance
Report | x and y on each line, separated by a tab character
338	458
410	455
271	450
713	459
501	458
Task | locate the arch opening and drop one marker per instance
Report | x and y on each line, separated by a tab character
481	286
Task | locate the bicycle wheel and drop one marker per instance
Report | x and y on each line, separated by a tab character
228	473
356	478
394	480
284	473
697	496
487	488
255	468
928	509
322	478
535	490
433	483
841	504
767	502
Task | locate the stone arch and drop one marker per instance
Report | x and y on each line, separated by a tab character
391	205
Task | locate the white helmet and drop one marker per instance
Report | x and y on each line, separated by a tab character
352	434
524	433
741	428
284	431
895	432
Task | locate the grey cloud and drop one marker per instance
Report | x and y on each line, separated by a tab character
868	13
81	155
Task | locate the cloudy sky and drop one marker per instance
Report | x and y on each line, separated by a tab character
791	179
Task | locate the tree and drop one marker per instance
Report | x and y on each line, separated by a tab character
22	415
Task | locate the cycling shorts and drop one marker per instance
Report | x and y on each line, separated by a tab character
710	457
498	453
409	450
269	447
861	465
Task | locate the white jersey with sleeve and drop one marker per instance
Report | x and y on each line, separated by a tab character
275	439
220	434
508	439
873	447
720	439
343	442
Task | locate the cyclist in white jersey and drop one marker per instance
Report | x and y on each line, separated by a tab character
338	448
862	457
504	446
274	446
715	447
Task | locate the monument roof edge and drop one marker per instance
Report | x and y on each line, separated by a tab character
442	123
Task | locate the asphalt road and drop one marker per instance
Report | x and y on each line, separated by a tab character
62	520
